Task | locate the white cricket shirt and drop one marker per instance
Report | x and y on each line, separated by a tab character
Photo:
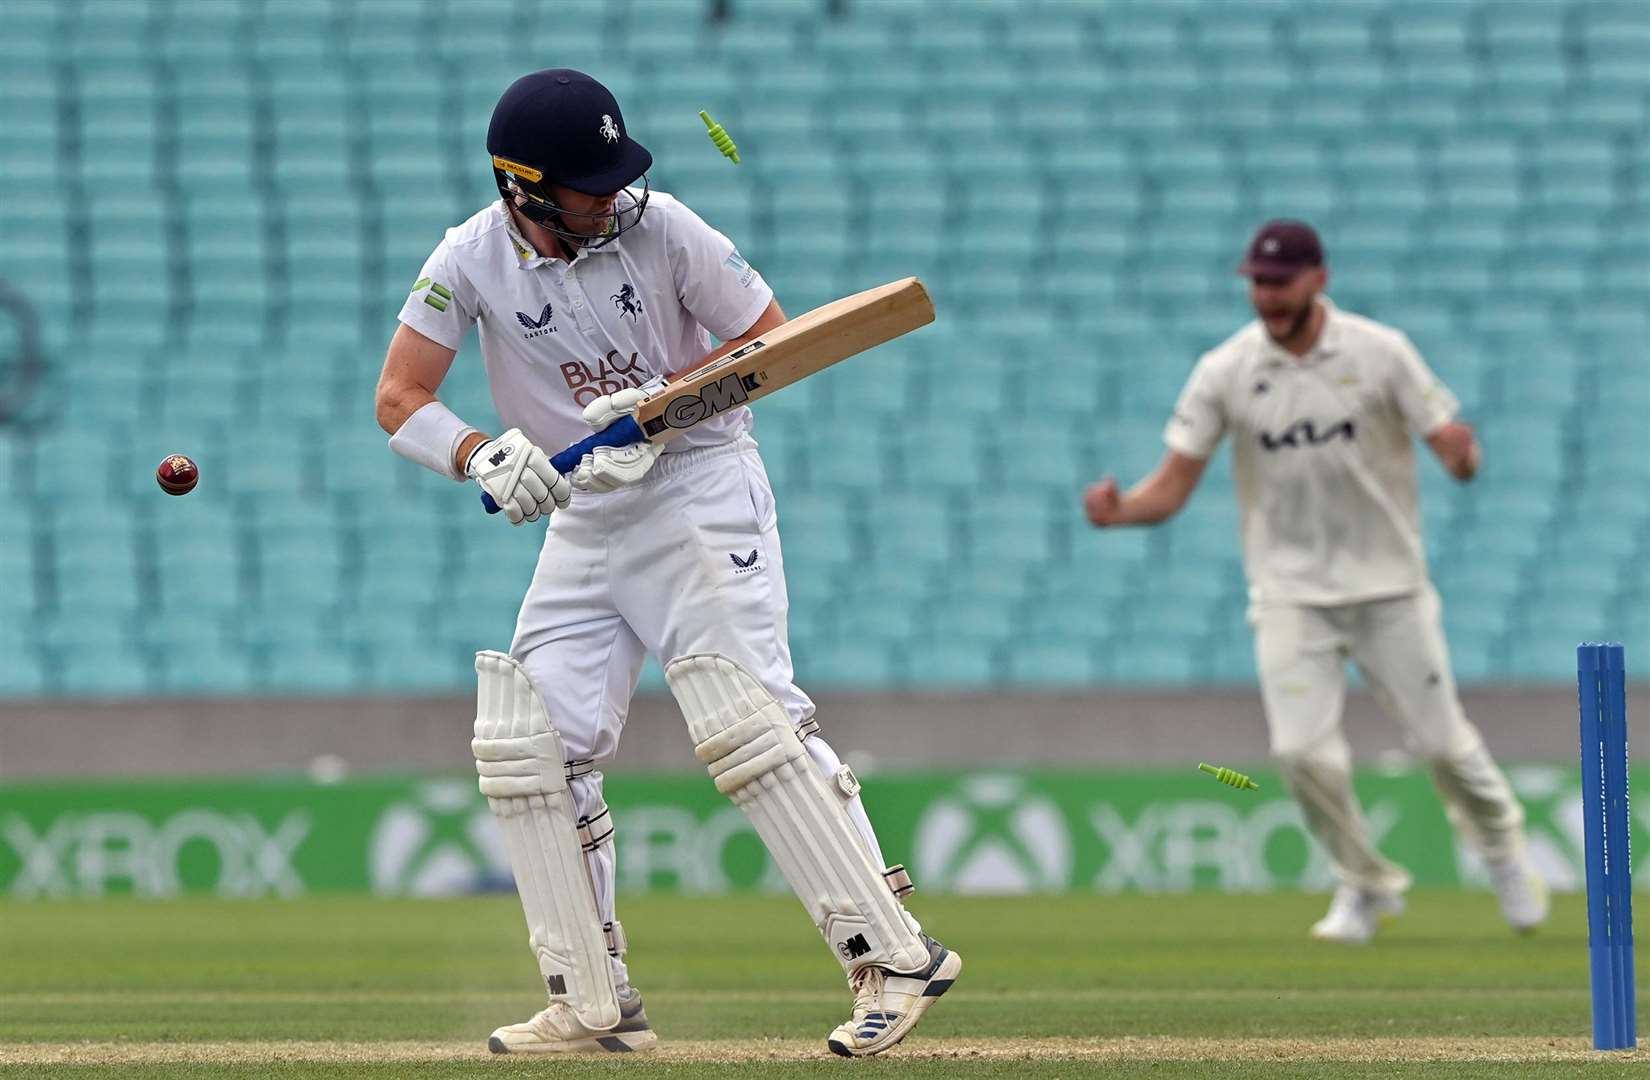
1323	456
557	335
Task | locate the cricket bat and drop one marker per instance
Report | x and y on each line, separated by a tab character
786	354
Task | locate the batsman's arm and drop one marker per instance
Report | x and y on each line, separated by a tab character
772	317
1156	498
413	371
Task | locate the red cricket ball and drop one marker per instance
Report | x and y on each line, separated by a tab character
177	475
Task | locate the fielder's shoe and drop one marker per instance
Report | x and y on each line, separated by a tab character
557	1031
1354	914
888	1004
1522	892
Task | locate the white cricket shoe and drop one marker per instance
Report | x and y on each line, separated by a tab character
888	1004
1522	892
1355	914
556	1030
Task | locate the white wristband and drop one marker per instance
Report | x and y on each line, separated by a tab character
431	437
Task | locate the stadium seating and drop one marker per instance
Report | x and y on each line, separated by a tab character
215	209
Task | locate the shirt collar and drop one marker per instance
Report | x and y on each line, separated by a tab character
1329	340
528	258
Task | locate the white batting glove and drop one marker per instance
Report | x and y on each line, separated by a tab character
609	468
518	476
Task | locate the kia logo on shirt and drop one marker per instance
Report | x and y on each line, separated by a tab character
1305	433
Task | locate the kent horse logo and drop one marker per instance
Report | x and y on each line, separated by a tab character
625	300
1304	432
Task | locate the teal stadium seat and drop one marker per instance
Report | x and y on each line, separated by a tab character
1614	31
1473	169
35	26
1053	665
848	663
213	33
114	671
418	666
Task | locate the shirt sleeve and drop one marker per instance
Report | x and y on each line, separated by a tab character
1426	403
442	305
717	286
1199	418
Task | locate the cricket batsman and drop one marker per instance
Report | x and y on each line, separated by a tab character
590	291
1322	406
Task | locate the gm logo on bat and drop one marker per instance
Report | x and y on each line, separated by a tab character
686	410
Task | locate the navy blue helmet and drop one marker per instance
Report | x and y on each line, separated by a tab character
562	127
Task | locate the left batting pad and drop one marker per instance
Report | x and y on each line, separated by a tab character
524	776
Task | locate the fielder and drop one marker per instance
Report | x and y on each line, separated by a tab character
590	291
1321	405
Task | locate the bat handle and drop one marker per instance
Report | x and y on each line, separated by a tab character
622	432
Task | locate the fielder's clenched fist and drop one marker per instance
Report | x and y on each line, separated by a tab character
1102	503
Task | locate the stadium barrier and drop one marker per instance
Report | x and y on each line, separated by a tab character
1013	831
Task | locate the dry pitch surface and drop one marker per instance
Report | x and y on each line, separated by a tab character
1115	987
691	1051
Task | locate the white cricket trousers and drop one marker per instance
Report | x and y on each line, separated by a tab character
1399	647
686	561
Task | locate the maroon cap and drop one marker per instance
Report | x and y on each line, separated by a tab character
1282	249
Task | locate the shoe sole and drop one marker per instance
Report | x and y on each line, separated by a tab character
1386	915
1334	939
1545	903
947	974
624	1043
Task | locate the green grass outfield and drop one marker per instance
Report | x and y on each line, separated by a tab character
1053	987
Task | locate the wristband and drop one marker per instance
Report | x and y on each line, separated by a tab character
430	437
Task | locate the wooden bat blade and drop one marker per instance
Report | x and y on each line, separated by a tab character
786	354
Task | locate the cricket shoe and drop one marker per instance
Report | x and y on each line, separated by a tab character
1355	914
556	1030
1522	892
888	1004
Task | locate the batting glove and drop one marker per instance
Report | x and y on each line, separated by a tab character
519	477
609	468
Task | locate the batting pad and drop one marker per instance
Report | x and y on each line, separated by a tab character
524	776
745	739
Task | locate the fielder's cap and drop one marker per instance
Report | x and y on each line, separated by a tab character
1282	249
566	126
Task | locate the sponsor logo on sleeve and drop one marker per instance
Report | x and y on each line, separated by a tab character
738	265
436	295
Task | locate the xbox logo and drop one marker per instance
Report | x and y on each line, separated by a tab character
441	842
991	837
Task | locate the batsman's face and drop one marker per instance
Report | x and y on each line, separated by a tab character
585	215
1284	304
